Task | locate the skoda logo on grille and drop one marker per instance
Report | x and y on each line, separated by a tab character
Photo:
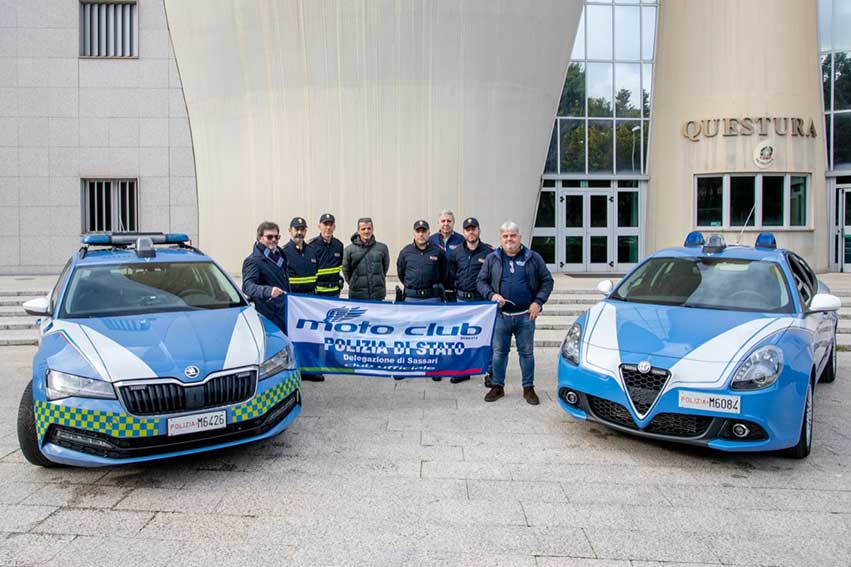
191	371
644	366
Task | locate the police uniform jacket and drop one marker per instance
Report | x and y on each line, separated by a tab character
301	267
454	241
329	258
421	269
464	267
259	275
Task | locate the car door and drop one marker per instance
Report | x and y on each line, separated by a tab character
821	323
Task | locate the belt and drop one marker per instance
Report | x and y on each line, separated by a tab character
468	294
427	292
518	314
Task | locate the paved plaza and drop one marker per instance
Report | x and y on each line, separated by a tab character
378	472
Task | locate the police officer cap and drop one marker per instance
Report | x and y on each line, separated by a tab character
420	224
298	222
327	217
471	221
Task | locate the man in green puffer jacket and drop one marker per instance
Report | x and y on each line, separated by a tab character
365	264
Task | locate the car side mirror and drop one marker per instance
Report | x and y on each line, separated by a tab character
824	302
40	306
605	287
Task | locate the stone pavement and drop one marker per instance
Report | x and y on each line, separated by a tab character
378	472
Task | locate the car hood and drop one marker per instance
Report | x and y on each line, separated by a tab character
156	345
698	345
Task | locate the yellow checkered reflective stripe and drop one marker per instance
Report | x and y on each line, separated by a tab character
329	271
262	403
303	280
107	422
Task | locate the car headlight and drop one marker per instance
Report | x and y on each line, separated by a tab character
284	360
570	346
759	370
61	385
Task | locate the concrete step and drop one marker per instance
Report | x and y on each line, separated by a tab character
13	301
23	292
19	337
17	323
13	311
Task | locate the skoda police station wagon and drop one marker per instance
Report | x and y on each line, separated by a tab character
707	344
150	351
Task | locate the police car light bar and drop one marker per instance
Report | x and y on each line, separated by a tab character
694	238
766	241
129	238
715	244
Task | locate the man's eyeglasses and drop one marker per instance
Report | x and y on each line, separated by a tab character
272	236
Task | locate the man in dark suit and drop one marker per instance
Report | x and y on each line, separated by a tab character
264	275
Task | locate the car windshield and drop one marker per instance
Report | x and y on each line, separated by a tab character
708	283
132	289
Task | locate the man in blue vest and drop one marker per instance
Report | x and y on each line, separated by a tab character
465	263
329	254
446	238
302	265
518	279
264	275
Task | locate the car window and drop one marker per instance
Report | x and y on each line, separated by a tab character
708	283
60	283
804	282
132	289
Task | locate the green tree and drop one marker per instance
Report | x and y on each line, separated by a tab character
572	101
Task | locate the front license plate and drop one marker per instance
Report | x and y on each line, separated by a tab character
197	422
711	402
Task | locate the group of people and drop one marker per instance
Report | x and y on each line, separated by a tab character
442	267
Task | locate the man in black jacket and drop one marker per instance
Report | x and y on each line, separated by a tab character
302	266
329	255
264	275
518	279
465	263
365	264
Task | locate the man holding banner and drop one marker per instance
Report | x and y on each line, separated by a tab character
517	279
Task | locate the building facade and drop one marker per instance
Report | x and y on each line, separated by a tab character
606	128
94	134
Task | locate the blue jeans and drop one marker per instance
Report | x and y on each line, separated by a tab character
490	362
523	330
423	300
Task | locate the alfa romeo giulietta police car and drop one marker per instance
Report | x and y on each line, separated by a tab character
706	344
149	352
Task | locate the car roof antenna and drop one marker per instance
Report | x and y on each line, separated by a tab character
746	224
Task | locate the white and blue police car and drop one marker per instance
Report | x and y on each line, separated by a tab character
706	344
148	350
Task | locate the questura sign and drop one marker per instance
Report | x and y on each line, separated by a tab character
339	336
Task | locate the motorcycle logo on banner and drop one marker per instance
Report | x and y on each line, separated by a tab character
340	336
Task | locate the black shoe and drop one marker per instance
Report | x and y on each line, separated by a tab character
495	393
436	379
489	380
459	379
398	377
313	377
530	396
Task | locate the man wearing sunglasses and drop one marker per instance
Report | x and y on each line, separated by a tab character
264	274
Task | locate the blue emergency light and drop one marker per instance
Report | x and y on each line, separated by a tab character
128	238
694	238
766	241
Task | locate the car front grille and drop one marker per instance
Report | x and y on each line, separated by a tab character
611	412
679	424
169	397
643	388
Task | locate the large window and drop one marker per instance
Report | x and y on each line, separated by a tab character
835	47
108	29
603	121
737	201
110	205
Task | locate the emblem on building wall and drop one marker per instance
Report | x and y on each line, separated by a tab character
763	154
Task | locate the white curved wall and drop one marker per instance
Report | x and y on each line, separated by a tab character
389	109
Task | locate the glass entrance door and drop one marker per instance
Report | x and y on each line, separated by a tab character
598	231
844	242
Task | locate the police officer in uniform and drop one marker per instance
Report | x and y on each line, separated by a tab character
301	269
329	255
465	262
422	269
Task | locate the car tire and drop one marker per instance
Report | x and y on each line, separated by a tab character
27	434
805	439
828	375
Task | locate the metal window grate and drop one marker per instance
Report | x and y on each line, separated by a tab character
110	205
108	29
